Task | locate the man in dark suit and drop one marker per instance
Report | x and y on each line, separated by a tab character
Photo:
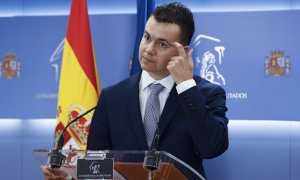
189	111
192	125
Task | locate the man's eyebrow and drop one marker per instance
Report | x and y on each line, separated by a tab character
164	40
145	32
160	39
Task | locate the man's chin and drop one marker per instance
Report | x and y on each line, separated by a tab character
145	67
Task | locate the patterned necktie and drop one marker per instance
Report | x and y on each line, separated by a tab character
152	112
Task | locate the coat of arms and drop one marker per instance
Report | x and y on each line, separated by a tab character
277	64
10	67
77	133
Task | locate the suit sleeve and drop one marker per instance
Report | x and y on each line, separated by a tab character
205	108
99	134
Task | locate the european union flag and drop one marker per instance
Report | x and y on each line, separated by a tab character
144	10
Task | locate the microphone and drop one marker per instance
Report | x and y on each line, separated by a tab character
151	160
56	158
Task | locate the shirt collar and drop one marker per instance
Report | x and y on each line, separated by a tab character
146	80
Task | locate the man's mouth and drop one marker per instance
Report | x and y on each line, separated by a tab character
147	58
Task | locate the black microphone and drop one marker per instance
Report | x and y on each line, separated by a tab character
56	158
151	160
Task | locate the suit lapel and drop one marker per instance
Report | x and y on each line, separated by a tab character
131	96
169	110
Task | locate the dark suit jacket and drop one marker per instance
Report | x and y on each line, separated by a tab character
192	126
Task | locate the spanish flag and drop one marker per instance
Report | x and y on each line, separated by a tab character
79	86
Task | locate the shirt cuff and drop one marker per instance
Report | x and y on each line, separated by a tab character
185	85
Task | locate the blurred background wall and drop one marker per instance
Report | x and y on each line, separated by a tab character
253	46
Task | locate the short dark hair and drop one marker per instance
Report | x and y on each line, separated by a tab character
178	14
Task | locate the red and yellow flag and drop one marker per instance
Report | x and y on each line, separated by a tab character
79	86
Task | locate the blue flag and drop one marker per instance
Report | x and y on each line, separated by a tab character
144	10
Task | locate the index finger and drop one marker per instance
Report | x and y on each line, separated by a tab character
180	49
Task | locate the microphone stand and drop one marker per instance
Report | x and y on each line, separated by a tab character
56	158
151	160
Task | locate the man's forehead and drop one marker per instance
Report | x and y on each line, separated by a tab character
161	30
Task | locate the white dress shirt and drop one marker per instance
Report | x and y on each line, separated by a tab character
167	82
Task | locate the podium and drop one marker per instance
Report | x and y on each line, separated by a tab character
121	165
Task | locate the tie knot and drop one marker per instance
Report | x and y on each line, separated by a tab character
155	88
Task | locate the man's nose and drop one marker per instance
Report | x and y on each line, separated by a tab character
150	48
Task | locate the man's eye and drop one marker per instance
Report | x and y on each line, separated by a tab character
146	37
163	45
